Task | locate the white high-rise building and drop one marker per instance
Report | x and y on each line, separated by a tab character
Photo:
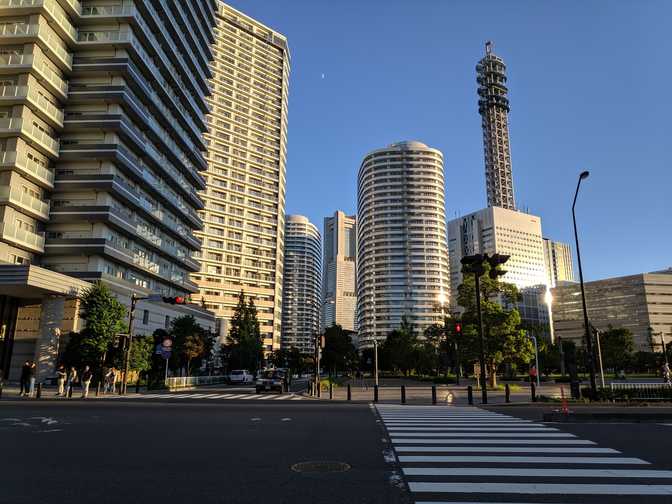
301	285
402	267
339	280
559	264
244	215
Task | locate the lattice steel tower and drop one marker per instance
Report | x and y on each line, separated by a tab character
493	105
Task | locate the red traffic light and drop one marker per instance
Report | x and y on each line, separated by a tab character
458	328
175	300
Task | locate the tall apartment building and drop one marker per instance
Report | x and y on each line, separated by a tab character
244	211
493	105
339	280
559	263
102	110
402	256
634	302
301	284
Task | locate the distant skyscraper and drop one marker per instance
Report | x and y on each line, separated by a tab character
339	281
402	267
301	285
559	265
244	213
493	105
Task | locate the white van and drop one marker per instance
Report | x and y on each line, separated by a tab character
240	376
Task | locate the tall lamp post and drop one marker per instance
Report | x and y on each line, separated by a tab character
586	324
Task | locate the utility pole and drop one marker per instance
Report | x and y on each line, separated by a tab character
127	357
599	354
375	361
536	357
484	385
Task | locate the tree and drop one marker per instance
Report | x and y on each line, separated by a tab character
617	346
244	349
104	317
504	339
140	359
398	351
339	354
188	342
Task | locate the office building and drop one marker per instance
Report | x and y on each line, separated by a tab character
102	110
402	267
634	302
244	214
301	284
498	230
339	280
559	264
493	106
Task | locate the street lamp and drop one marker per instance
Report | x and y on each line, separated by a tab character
589	342
536	356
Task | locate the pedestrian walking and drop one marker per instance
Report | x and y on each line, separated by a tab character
87	376
61	376
667	374
32	369
109	380
70	380
24	378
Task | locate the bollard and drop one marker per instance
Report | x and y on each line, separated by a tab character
375	393
470	395
98	389
507	393
137	385
310	389
331	390
433	394
403	394
349	393
533	391
319	389
38	395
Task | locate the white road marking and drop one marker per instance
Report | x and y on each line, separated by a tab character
492	441
535	473
541	488
521	460
503	449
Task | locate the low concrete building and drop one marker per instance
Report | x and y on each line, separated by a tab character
634	302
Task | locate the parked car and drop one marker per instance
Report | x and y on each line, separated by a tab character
272	380
240	376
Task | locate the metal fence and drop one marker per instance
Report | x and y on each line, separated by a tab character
179	382
641	391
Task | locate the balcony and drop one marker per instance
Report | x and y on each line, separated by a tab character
33	242
41	106
20	63
24	202
13	126
59	20
28	168
49	42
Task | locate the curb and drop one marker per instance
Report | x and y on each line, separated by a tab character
608	417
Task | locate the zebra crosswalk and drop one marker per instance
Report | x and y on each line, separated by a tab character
466	455
212	396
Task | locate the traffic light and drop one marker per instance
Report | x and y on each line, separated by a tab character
458	329
474	263
496	260
175	300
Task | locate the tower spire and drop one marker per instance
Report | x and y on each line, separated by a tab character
493	106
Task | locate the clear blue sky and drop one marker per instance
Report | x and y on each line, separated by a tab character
589	89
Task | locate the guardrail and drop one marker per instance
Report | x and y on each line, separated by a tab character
638	391
180	382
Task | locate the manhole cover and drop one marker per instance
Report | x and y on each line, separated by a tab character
321	467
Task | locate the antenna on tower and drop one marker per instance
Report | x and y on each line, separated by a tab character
488	47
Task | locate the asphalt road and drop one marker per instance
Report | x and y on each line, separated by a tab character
190	451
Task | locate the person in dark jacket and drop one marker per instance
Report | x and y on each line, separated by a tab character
23	382
87	376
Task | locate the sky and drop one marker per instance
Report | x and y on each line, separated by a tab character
589	90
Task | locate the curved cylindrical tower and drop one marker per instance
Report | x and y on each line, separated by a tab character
301	284
402	255
493	105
